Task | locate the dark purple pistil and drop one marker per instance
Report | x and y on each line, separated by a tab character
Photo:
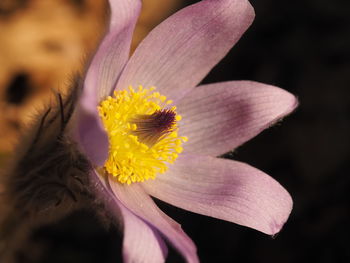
151	128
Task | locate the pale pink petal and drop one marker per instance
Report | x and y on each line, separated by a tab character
180	52
219	117
112	53
135	199
141	243
92	138
224	189
102	74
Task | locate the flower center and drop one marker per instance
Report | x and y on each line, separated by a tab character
142	134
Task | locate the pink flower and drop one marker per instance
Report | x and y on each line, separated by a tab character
216	118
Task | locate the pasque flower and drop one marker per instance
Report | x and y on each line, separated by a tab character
149	130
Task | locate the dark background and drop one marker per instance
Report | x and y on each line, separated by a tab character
304	47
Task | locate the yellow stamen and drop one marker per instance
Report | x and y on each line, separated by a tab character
143	134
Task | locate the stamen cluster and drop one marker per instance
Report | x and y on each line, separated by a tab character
143	134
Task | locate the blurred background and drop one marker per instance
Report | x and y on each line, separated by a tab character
301	46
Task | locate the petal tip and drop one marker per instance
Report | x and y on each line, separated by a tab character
291	100
250	11
280	220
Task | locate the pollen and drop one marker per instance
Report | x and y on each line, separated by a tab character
143	134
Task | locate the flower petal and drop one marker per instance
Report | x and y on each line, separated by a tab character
92	137
141	242
112	53
219	117
141	204
224	189
180	52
